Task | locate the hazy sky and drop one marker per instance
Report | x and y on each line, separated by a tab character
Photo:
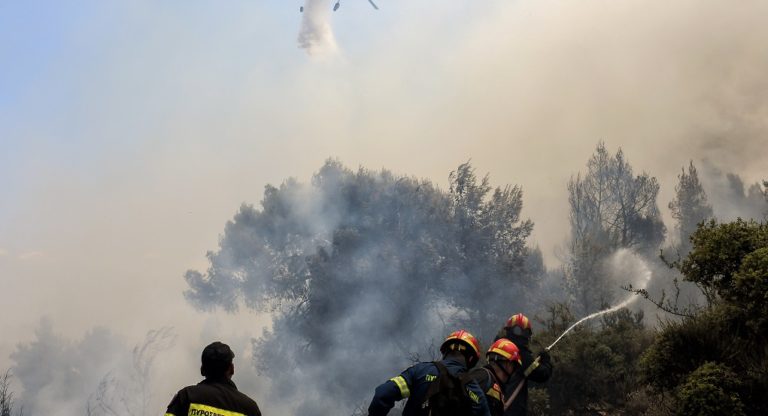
131	131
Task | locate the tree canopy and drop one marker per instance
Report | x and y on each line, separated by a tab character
368	265
611	208
690	206
714	362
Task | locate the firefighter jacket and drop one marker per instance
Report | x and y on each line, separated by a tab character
212	397
519	406
487	381
413	384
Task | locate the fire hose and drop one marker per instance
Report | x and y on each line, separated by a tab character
534	365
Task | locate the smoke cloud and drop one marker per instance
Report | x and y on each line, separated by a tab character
364	271
58	375
316	35
97	375
731	197
117	126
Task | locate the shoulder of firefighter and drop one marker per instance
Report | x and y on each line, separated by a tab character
413	384
212	398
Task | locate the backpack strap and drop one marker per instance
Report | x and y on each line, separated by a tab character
448	381
442	375
488	381
441	368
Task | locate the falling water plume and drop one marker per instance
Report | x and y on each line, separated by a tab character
316	36
621	256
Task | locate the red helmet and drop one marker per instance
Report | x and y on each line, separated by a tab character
519	324
463	342
504	349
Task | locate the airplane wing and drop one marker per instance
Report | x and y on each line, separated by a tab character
373	4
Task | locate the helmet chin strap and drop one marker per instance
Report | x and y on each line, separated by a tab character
501	367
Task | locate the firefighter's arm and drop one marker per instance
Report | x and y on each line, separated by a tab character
479	402
392	390
543	372
178	406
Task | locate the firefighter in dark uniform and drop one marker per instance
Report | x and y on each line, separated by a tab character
518	330
217	395
460	351
503	361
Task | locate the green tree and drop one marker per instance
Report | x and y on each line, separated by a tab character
370	266
595	366
730	263
750	289
710	391
719	251
690	206
610	208
491	249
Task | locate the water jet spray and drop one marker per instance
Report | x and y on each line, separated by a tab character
618	258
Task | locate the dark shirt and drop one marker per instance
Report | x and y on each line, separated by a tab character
486	379
212	397
519	406
413	384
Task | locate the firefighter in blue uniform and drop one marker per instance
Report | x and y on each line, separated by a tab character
461	351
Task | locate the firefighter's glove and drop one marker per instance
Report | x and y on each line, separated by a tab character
544	357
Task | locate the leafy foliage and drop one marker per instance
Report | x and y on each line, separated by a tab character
538	402
378	267
663	365
367	265
751	289
610	203
730	262
611	208
718	252
595	367
710	390
690	206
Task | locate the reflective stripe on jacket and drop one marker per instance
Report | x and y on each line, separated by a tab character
488	383
413	383
217	397
519	406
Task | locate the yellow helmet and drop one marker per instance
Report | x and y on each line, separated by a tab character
504	349
463	342
519	324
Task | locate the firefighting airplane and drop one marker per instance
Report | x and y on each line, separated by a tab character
338	4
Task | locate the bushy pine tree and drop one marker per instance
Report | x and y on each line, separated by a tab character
364	269
610	208
730	263
690	206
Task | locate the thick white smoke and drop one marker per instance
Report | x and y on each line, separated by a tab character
731	197
624	264
97	375
315	35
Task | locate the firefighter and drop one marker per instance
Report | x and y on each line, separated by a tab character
419	383
503	361
217	394
518	330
